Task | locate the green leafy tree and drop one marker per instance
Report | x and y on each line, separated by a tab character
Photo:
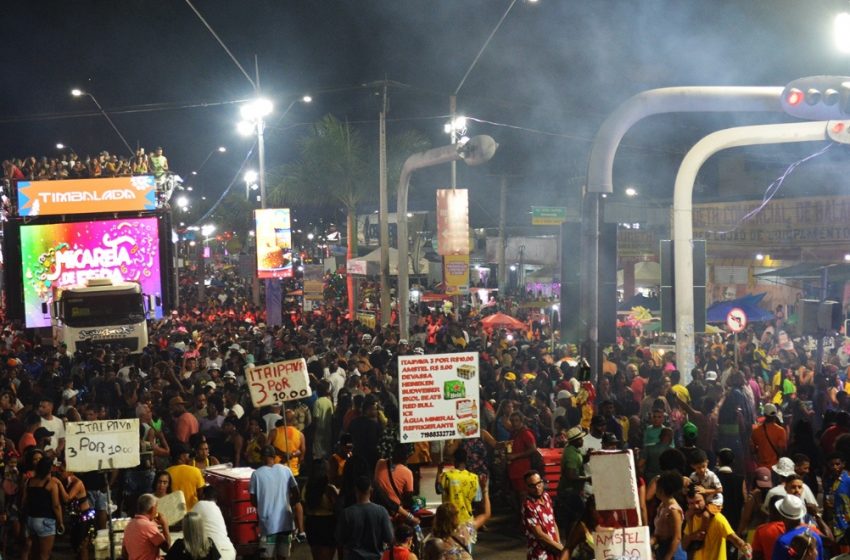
337	167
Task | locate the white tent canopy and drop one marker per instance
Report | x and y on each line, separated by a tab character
375	257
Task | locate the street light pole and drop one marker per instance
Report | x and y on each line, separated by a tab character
78	92
600	171
476	151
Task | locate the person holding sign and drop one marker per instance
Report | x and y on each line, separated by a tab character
289	442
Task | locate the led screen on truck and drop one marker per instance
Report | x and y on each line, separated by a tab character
68	254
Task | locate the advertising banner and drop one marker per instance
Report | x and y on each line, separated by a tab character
438	395
456	273
314	286
453	222
86	196
102	445
60	255
274	243
278	382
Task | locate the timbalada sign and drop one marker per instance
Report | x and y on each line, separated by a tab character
87	196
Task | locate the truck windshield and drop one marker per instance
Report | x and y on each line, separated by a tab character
92	310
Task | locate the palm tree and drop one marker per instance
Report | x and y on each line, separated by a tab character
337	167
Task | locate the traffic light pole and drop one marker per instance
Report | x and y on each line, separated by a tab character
683	225
601	164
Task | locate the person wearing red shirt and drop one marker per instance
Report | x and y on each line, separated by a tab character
523	446
842	426
185	423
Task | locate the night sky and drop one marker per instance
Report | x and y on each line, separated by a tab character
555	70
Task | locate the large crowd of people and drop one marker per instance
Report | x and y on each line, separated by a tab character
69	165
750	454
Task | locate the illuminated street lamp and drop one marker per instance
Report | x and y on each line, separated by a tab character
76	92
631	191
250	183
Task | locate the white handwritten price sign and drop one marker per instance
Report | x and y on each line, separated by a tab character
438	394
102	444
278	382
628	543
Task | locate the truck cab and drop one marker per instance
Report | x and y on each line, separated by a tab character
100	313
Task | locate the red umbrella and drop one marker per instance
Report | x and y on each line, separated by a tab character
502	321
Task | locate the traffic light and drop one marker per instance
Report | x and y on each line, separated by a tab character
818	98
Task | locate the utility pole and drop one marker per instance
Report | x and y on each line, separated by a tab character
503	242
453	113
383	211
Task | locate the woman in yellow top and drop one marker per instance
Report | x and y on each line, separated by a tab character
202	458
289	442
256	442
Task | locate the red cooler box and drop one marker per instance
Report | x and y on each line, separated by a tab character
552	468
232	485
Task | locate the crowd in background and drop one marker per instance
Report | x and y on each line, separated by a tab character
739	456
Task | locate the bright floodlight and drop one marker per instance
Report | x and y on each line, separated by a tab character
251	176
60	146
847	257
460	123
245	128
841	29
207	230
631	191
310	236
759	257
182	202
76	92
222	149
513	268
307	99
256	109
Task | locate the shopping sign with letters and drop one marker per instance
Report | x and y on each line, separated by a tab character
278	382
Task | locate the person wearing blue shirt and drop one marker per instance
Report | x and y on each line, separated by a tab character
274	492
793	509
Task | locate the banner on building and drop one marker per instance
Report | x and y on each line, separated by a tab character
86	196
452	222
438	396
456	273
274	243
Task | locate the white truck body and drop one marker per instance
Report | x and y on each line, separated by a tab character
101	313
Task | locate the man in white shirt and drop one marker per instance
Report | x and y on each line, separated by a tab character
334	374
52	423
214	525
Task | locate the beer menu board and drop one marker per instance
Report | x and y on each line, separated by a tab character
438	395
